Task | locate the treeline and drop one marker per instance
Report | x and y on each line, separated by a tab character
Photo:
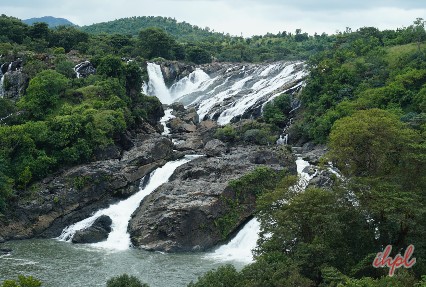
365	99
59	120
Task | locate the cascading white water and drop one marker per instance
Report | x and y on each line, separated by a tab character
231	91
196	81
167	117
241	246
120	213
264	86
156	85
1	84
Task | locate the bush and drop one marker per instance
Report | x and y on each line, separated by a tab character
125	281
23	281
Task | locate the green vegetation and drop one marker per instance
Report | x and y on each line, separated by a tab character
62	120
251	185
248	131
23	281
366	69
365	99
125	281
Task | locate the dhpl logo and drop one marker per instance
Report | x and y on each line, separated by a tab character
384	260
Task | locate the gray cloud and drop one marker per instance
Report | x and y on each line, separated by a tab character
234	16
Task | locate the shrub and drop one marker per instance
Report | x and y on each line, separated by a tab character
125	281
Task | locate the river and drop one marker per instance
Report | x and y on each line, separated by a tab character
59	263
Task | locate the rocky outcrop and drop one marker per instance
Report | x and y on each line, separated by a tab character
214	148
97	232
187	132
84	69
13	80
173	71
74	194
185	213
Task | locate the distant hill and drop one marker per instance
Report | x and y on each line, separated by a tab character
180	30
51	21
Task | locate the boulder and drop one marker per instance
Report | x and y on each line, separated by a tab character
84	69
97	232
215	148
74	194
5	250
177	125
185	214
17	82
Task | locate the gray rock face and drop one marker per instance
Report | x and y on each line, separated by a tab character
96	233
84	69
73	195
14	80
182	214
215	148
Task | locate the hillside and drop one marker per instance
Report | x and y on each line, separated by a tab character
180	30
51	21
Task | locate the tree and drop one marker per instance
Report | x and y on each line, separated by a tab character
155	42
39	31
198	55
43	93
23	281
369	143
125	281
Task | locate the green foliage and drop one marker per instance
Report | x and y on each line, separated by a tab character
43	94
198	55
23	281
370	142
248	131
276	111
250	185
224	276
111	66
226	133
155	42
125	281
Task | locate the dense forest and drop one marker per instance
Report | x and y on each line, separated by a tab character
365	98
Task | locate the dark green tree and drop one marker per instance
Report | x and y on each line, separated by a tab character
125	281
155	42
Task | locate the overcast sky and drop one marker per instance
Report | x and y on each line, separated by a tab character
248	17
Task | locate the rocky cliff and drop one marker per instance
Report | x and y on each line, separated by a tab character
52	204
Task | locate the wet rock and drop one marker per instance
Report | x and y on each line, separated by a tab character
78	192
84	69
177	125
14	84
96	233
5	250
183	214
215	148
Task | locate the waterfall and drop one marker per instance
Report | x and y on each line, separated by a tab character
241	246
167	116
194	82
156	85
120	213
1	84
230	91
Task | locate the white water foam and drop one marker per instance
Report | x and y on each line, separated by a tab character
156	85
240	247
229	93
120	213
167	117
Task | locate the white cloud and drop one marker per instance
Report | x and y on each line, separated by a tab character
233	16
